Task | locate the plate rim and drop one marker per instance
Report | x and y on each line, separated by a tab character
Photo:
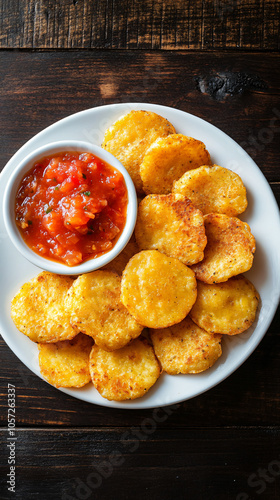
136	404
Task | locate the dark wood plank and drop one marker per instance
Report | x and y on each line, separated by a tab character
240	94
145	24
238	463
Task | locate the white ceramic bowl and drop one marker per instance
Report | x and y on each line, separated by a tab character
9	207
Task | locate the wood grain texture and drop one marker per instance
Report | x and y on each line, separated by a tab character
204	57
224	444
148	463
39	88
144	24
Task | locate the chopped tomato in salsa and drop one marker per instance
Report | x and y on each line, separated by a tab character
71	207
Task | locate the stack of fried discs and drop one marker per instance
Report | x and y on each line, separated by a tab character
167	300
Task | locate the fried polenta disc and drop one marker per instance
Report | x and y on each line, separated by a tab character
228	308
38	309
229	251
157	290
129	138
66	363
168	158
171	224
186	348
213	189
95	309
118	264
124	374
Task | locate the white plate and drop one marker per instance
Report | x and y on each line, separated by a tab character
262	215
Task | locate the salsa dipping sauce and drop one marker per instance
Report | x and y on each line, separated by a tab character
71	207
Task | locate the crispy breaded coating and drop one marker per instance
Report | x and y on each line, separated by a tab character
213	189
129	138
38	309
66	363
95	309
118	264
124	374
185	348
228	308
171	224
168	158
146	311
229	251
157	290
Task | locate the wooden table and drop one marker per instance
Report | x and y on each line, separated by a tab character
217	60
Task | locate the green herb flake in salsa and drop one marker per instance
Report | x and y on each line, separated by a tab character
79	218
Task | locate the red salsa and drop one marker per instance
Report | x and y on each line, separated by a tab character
71	207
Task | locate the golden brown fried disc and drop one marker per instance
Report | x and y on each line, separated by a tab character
213	189
168	158
129	138
38	309
157	290
118	264
186	348
124	374
171	224
228	308
95	309
229	251
66	363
